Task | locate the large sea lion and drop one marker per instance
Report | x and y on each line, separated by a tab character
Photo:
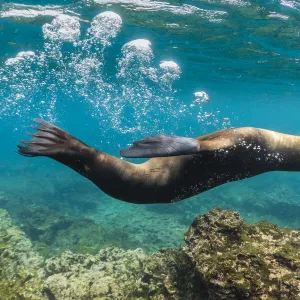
182	167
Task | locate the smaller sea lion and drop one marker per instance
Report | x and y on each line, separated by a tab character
181	167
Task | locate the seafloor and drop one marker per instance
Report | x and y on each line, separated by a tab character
62	242
224	258
70	213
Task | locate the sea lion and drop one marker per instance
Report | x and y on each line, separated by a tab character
181	167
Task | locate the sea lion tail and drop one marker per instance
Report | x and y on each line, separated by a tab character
48	141
162	146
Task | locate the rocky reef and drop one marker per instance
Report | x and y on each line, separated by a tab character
19	263
224	258
235	260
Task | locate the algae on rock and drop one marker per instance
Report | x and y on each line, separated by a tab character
19	263
224	258
238	261
117	274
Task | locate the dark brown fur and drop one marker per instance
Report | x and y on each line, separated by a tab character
224	156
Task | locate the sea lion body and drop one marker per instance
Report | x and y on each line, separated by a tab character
223	156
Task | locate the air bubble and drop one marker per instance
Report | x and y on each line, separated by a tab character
63	28
21	56
201	97
170	72
105	27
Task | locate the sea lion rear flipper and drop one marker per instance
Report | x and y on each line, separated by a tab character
162	146
48	141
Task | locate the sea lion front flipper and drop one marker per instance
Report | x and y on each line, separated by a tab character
162	146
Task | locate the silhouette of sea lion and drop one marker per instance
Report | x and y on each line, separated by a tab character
182	166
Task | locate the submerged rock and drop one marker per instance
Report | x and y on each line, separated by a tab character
170	274
111	274
224	258
19	263
117	274
235	260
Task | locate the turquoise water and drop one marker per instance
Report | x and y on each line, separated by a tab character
111	72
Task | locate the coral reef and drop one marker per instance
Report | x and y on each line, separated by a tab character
224	258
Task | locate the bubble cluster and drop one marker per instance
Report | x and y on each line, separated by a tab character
201	97
208	117
105	27
20	57
63	28
137	54
170	71
143	89
138	98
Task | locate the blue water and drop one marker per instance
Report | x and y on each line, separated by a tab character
59	64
